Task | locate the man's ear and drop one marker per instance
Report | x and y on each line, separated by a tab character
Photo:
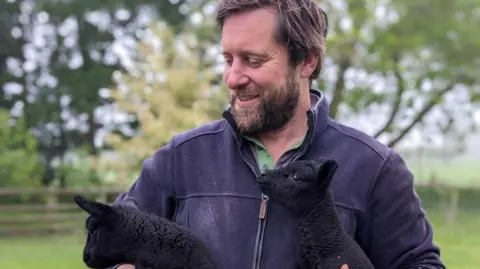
325	172
95	209
308	65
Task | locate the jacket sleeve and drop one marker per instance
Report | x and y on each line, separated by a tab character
399	233
153	190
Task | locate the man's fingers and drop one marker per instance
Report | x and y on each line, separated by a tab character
344	266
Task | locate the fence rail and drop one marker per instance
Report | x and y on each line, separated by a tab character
48	210
64	191
45	210
35	207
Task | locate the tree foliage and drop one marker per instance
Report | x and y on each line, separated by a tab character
58	55
167	90
405	65
409	67
19	160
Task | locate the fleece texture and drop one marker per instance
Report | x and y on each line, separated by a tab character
122	234
303	188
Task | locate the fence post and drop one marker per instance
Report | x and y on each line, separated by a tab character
453	197
52	208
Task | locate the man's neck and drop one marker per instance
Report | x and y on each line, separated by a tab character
293	131
279	141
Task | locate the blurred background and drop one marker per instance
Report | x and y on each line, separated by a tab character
91	88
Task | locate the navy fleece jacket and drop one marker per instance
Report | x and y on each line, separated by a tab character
205	179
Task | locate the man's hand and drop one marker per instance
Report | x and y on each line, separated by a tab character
343	266
130	266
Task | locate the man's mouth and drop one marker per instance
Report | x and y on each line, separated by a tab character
245	98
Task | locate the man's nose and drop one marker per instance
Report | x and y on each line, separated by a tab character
235	77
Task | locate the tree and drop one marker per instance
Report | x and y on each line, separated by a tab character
168	91
408	65
19	160
59	55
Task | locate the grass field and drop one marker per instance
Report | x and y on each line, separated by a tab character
42	253
459	244
456	173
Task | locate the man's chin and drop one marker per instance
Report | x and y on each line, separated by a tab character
248	131
247	122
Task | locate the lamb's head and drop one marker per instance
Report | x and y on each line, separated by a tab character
297	185
107	239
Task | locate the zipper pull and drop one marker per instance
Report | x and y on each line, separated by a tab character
263	208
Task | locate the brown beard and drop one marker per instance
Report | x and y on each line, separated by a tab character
277	106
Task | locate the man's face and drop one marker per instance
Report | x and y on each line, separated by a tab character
264	92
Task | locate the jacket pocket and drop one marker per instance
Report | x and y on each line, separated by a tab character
181	212
226	223
348	219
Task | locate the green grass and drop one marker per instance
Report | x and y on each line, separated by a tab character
42	253
459	245
455	173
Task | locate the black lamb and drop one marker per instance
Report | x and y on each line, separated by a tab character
303	188
122	234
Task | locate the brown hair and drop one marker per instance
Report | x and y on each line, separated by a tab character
302	26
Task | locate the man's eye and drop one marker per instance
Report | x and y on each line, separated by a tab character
254	61
228	60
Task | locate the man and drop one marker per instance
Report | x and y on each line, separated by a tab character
205	179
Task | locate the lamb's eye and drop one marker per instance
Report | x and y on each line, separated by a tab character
295	178
92	234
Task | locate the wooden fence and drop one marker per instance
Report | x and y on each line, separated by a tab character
44	211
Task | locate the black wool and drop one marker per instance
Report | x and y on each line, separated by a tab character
122	234
303	187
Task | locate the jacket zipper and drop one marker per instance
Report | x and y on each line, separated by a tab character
262	216
261	231
261	222
263	207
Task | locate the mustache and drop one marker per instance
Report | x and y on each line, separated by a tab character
244	93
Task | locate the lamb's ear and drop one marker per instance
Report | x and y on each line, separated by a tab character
94	208
325	172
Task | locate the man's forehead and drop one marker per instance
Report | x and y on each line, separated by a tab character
248	30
